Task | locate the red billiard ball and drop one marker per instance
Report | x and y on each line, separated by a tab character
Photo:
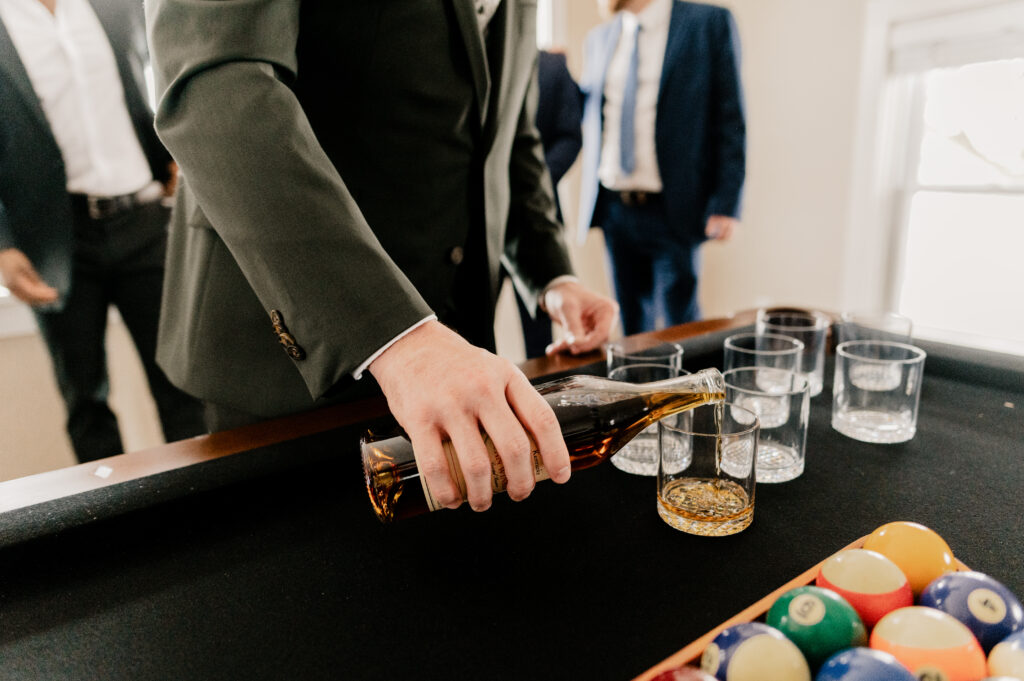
869	581
931	644
988	608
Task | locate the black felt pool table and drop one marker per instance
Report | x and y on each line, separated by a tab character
254	554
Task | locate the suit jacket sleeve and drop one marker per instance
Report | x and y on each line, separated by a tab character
6	239
264	184
535	249
728	130
564	136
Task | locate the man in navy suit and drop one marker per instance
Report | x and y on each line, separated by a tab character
82	226
663	150
559	114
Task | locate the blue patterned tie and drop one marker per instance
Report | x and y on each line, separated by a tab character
627	143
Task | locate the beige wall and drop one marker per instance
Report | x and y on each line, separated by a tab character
801	63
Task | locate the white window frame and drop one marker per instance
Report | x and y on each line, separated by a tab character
901	36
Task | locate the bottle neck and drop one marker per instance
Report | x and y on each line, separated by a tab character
705	381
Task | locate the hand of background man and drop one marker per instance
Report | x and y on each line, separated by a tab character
438	387
587	318
721	227
22	279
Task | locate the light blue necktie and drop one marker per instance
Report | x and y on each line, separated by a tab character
627	134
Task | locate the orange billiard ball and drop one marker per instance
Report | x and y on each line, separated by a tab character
919	552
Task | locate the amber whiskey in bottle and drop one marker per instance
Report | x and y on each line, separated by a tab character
597	416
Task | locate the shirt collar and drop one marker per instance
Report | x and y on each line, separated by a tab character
656	15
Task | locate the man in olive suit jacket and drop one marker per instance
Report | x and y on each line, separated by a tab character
353	176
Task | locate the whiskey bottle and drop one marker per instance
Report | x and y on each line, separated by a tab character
597	416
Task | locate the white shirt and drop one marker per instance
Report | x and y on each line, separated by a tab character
72	69
653	36
485	10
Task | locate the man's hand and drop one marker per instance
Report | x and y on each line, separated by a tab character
171	185
438	386
22	279
587	318
721	227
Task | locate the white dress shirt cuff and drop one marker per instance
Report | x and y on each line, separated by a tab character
563	279
358	373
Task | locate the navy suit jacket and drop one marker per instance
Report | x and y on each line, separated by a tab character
35	210
700	132
559	116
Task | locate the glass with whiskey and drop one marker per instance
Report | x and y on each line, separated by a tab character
707	469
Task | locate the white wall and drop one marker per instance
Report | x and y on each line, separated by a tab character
801	61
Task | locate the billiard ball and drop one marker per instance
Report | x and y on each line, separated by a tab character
818	621
918	551
683	674
1007	657
863	664
869	581
988	608
753	651
931	644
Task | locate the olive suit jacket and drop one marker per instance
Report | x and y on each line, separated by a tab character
348	168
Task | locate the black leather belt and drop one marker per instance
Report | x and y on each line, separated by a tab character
103	207
638	198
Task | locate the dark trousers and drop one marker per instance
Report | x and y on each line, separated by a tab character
118	261
654	271
536	331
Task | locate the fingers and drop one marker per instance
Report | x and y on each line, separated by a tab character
475	464
27	286
599	322
433	465
536	415
440	387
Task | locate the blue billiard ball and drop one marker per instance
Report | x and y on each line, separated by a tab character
753	651
988	608
863	664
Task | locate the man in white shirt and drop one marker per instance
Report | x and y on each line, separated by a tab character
82	176
663	150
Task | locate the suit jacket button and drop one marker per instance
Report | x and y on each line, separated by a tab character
455	255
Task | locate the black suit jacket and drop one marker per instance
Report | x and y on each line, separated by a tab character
349	167
35	211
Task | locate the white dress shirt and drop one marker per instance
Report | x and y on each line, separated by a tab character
71	66
485	10
653	21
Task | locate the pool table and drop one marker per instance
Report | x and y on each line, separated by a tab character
254	554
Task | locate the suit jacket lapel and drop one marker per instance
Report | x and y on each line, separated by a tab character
475	50
502	43
677	35
14	70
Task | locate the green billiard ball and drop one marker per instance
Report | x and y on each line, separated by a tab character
820	622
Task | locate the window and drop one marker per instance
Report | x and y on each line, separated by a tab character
949	170
963	225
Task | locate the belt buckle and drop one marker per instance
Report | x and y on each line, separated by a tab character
633	198
97	207
101	207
